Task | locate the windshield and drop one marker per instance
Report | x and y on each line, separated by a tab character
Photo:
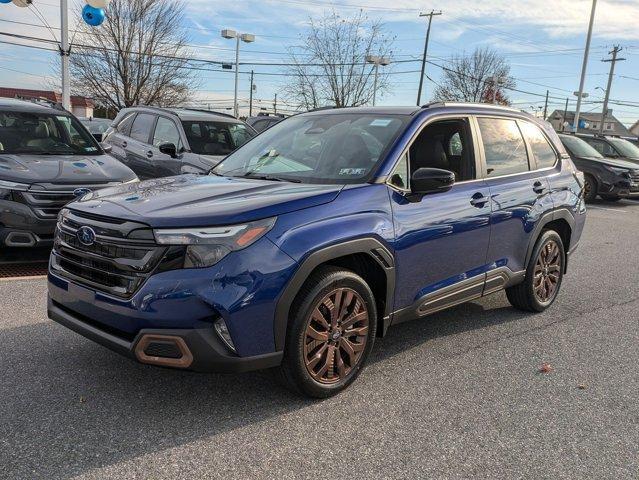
579	148
624	147
42	134
216	138
96	125
335	148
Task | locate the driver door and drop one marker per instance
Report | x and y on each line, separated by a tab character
441	239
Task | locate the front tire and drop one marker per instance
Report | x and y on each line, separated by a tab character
332	328
543	276
590	188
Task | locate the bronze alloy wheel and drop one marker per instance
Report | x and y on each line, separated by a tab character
547	272
336	335
587	188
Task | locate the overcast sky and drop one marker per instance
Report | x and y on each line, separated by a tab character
542	39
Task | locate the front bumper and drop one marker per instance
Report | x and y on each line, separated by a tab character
621	188
204	350
21	227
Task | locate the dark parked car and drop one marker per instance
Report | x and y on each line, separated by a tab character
96	126
47	158
263	122
160	142
610	178
613	147
312	239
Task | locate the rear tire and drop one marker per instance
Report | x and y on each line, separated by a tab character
332	327
544	275
590	188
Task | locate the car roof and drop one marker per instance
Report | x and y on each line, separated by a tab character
17	105
457	107
189	114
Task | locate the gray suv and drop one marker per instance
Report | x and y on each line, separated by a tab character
47	159
161	142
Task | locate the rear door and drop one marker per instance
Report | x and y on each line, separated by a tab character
520	193
139	151
119	139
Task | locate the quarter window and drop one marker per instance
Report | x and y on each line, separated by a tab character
125	124
503	146
541	149
141	128
399	177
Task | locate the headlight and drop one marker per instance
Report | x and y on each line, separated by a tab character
617	170
7	187
207	246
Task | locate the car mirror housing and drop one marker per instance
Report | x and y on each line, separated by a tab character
431	180
168	149
106	148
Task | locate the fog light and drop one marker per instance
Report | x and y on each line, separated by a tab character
223	333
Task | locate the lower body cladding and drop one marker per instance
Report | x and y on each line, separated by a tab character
217	319
21	227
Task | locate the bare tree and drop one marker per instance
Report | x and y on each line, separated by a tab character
466	78
332	68
135	57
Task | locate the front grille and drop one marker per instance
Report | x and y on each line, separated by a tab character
48	203
634	176
120	259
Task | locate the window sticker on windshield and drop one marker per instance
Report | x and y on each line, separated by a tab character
352	171
381	122
90	149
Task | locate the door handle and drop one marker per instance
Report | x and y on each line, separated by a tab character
478	200
539	188
124	144
149	154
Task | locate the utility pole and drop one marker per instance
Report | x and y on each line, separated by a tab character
251	96
584	67
565	115
612	61
64	53
546	105
275	105
430	16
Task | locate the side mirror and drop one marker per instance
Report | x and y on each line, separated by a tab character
106	147
431	180
168	149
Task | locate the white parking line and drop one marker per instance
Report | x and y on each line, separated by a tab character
617	210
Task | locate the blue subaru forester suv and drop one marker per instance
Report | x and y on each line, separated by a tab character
312	239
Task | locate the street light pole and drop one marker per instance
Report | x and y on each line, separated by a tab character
584	67
64	54
251	96
244	37
376	61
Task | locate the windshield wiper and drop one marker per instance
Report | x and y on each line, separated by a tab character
271	178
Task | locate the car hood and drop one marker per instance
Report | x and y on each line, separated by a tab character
204	200
63	169
212	160
613	162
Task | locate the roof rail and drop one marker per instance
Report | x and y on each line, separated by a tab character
469	104
319	109
51	103
212	112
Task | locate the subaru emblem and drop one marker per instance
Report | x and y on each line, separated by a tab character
86	236
80	192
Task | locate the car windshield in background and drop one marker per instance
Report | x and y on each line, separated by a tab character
336	148
42	134
625	148
96	125
579	148
216	138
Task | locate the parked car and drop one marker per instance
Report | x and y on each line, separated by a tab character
160	142
610	178
47	158
613	147
308	242
96	126
264	121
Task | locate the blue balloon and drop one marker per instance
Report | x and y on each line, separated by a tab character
5	1
93	16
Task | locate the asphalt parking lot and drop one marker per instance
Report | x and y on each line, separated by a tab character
457	395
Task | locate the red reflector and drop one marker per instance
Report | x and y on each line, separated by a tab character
250	235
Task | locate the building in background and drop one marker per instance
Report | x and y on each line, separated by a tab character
592	120
80	106
635	129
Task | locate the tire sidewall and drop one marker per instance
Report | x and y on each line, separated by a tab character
530	272
301	311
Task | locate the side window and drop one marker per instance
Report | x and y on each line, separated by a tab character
260	125
166	132
602	147
141	128
503	146
399	177
124	127
541	149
